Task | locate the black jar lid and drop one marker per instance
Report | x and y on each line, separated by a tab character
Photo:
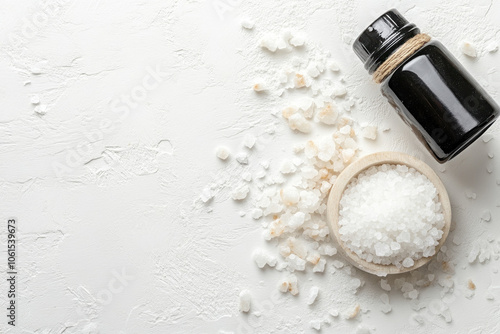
382	38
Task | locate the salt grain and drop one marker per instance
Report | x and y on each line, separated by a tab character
247	24
41	109
222	152
35	99
240	192
245	301
369	132
249	141
468	49
313	294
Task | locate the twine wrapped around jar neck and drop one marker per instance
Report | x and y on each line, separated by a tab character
405	51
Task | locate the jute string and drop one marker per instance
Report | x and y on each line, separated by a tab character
407	50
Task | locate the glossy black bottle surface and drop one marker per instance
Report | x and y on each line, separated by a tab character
433	93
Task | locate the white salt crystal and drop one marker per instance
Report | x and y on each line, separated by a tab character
338	264
242	158
240	192
492	47
206	195
247	24
247	176
369	132
413	294
269	42
329	114
35	99
312	71
339	91
315	324
486	216
299	81
257	213
290	195
334	313
249	141
333	66
298	40
487	137
289	284
457	240
470	195
263	258
41	109
320	266
245	301
259	86
363	330
408	262
222	152
287	167
313	294
384	285
265	164
299	123
353	312
468	49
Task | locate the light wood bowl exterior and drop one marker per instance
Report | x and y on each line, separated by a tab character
352	171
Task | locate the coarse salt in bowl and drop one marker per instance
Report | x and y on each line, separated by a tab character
389	212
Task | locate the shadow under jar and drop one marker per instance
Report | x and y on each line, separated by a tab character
433	93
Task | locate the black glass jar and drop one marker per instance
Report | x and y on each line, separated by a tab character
432	92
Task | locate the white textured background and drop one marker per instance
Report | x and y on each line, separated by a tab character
105	189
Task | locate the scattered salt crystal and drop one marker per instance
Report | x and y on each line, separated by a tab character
298	40
300	123
487	137
413	294
245	301
470	195
249	141
240	192
320	266
263	258
338	264
265	164
247	176
35	99
369	132
259	86
289	284
353	312
468	49
242	158
299	81
486	216
312	71
363	330
334	313
41	109
339	91
315	324
287	167
313	294
247	24
222	152
290	195
457	240
206	195
257	213
492	47
384	285
333	66
408	262
328	114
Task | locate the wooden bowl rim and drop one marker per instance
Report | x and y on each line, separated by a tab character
352	171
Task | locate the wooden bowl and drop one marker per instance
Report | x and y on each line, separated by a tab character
352	171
